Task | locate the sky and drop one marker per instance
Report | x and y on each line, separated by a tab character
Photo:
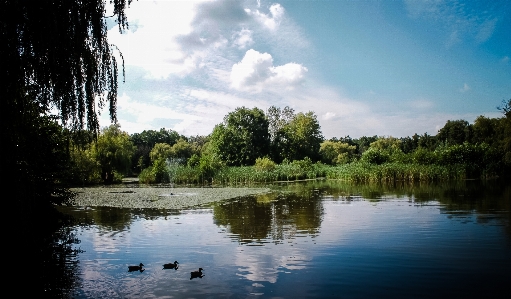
365	68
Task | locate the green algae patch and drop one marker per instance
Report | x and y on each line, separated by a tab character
157	198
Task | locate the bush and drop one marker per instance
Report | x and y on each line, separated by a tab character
146	176
423	156
264	164
375	156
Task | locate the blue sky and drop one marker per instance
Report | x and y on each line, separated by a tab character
386	68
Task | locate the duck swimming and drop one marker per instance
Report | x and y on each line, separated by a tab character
196	274
171	265
136	268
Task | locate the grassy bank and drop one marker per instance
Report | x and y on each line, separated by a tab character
352	172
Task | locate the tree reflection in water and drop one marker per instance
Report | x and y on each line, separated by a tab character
279	216
46	260
298	207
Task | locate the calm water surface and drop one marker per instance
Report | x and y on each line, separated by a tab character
314	240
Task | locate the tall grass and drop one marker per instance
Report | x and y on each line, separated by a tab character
354	172
388	172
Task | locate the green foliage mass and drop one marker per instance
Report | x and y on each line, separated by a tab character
264	164
296	143
145	142
113	151
336	152
55	54
301	138
242	137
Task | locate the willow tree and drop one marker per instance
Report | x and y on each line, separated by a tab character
55	56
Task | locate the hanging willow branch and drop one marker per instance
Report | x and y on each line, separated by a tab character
56	53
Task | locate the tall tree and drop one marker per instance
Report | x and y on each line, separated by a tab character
55	55
242	137
113	151
336	152
455	132
146	141
300	138
506	110
277	120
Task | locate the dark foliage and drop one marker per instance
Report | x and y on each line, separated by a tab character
242	137
144	143
55	55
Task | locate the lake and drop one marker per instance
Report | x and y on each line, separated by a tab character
319	239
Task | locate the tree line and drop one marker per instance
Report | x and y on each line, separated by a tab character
263	139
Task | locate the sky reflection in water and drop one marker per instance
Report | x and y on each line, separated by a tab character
315	241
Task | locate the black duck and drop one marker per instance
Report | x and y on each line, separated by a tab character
171	265
136	268
196	274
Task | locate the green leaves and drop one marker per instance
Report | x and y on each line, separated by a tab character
336	152
113	151
242	137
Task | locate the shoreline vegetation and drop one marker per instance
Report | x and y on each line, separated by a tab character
253	146
357	172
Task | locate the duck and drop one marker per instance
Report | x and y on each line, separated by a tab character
195	274
136	268
171	265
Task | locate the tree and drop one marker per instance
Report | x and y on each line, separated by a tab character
300	138
151	137
85	169
113	151
55	54
427	141
278	119
242	137
160	151
506	110
336	152
387	143
364	142
182	149
389	147
455	132
409	144
146	141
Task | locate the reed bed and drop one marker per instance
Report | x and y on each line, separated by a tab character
353	172
388	172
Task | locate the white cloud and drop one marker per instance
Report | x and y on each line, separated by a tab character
256	72
152	45
420	104
329	116
465	88
212	19
485	30
243	39
505	59
460	22
138	116
180	37
271	20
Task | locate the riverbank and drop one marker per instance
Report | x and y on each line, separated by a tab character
157	198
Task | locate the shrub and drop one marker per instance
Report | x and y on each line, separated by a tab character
264	164
375	156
